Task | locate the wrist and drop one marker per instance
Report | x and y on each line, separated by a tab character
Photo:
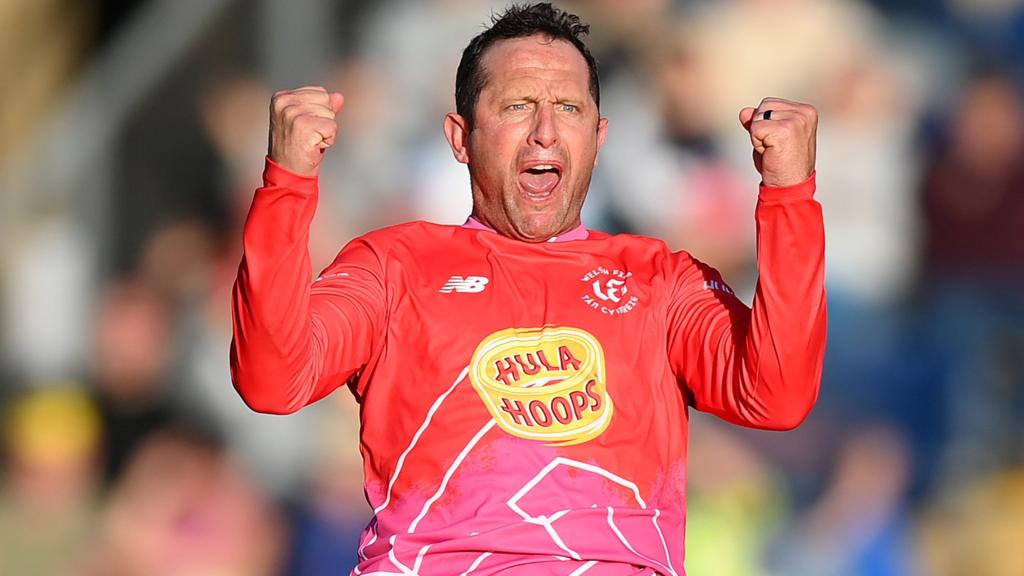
775	193
277	175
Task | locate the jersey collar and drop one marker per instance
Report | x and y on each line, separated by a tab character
578	233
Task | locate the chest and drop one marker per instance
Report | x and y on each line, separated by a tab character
456	300
545	338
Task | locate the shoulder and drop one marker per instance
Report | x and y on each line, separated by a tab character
420	245
678	265
636	243
417	229
413	237
636	239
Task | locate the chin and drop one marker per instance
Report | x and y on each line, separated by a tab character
540	229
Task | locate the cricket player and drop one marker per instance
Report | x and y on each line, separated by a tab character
525	382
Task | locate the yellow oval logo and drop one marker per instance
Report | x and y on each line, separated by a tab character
544	384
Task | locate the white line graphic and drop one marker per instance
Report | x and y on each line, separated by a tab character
336	274
583	568
622	538
563	461
401	459
547	521
664	545
476	563
419	559
451	472
394	559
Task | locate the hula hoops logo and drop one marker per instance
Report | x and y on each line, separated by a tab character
545	384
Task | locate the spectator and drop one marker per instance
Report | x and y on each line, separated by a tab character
49	497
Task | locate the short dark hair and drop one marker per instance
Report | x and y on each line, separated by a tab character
519	21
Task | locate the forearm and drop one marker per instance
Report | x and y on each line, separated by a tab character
273	364
760	367
786	338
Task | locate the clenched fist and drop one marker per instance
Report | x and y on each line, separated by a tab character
784	143
302	126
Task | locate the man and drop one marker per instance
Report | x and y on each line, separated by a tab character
524	382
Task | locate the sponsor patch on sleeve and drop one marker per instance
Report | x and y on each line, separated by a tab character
718	285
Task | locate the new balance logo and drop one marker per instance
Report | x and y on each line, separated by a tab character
464	284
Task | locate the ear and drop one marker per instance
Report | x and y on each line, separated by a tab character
456	130
602	133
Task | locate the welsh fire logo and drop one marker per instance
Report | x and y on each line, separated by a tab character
545	384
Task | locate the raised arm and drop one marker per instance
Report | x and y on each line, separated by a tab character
761	367
294	339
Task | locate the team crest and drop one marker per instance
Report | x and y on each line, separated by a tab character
607	291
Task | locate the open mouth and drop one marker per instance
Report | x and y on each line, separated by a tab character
540	179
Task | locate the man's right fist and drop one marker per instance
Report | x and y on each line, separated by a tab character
302	126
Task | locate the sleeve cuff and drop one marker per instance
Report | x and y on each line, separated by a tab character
799	191
275	175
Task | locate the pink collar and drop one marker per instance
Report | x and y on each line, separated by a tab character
578	233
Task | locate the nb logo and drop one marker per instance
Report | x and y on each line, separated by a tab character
464	284
613	289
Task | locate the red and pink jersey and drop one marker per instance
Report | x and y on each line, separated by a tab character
524	406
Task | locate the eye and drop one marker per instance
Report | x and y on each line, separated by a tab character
568	107
518	106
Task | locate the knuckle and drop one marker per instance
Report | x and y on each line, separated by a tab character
312	93
326	127
281	102
289	113
292	100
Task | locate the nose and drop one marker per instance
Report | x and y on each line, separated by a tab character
544	132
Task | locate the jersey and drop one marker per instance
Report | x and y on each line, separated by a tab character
524	406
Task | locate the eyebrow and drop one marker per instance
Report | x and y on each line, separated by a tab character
512	94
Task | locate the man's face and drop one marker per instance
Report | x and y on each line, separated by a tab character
535	137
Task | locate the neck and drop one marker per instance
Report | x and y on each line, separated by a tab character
579	232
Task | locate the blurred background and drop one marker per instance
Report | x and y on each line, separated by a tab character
132	136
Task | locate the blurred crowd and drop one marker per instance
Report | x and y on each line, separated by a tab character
125	450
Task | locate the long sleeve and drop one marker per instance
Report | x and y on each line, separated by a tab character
297	340
758	367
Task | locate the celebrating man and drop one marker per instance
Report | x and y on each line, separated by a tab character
524	382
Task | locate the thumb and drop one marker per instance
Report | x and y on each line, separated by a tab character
747	116
337	100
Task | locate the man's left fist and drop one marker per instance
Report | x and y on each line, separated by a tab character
784	143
